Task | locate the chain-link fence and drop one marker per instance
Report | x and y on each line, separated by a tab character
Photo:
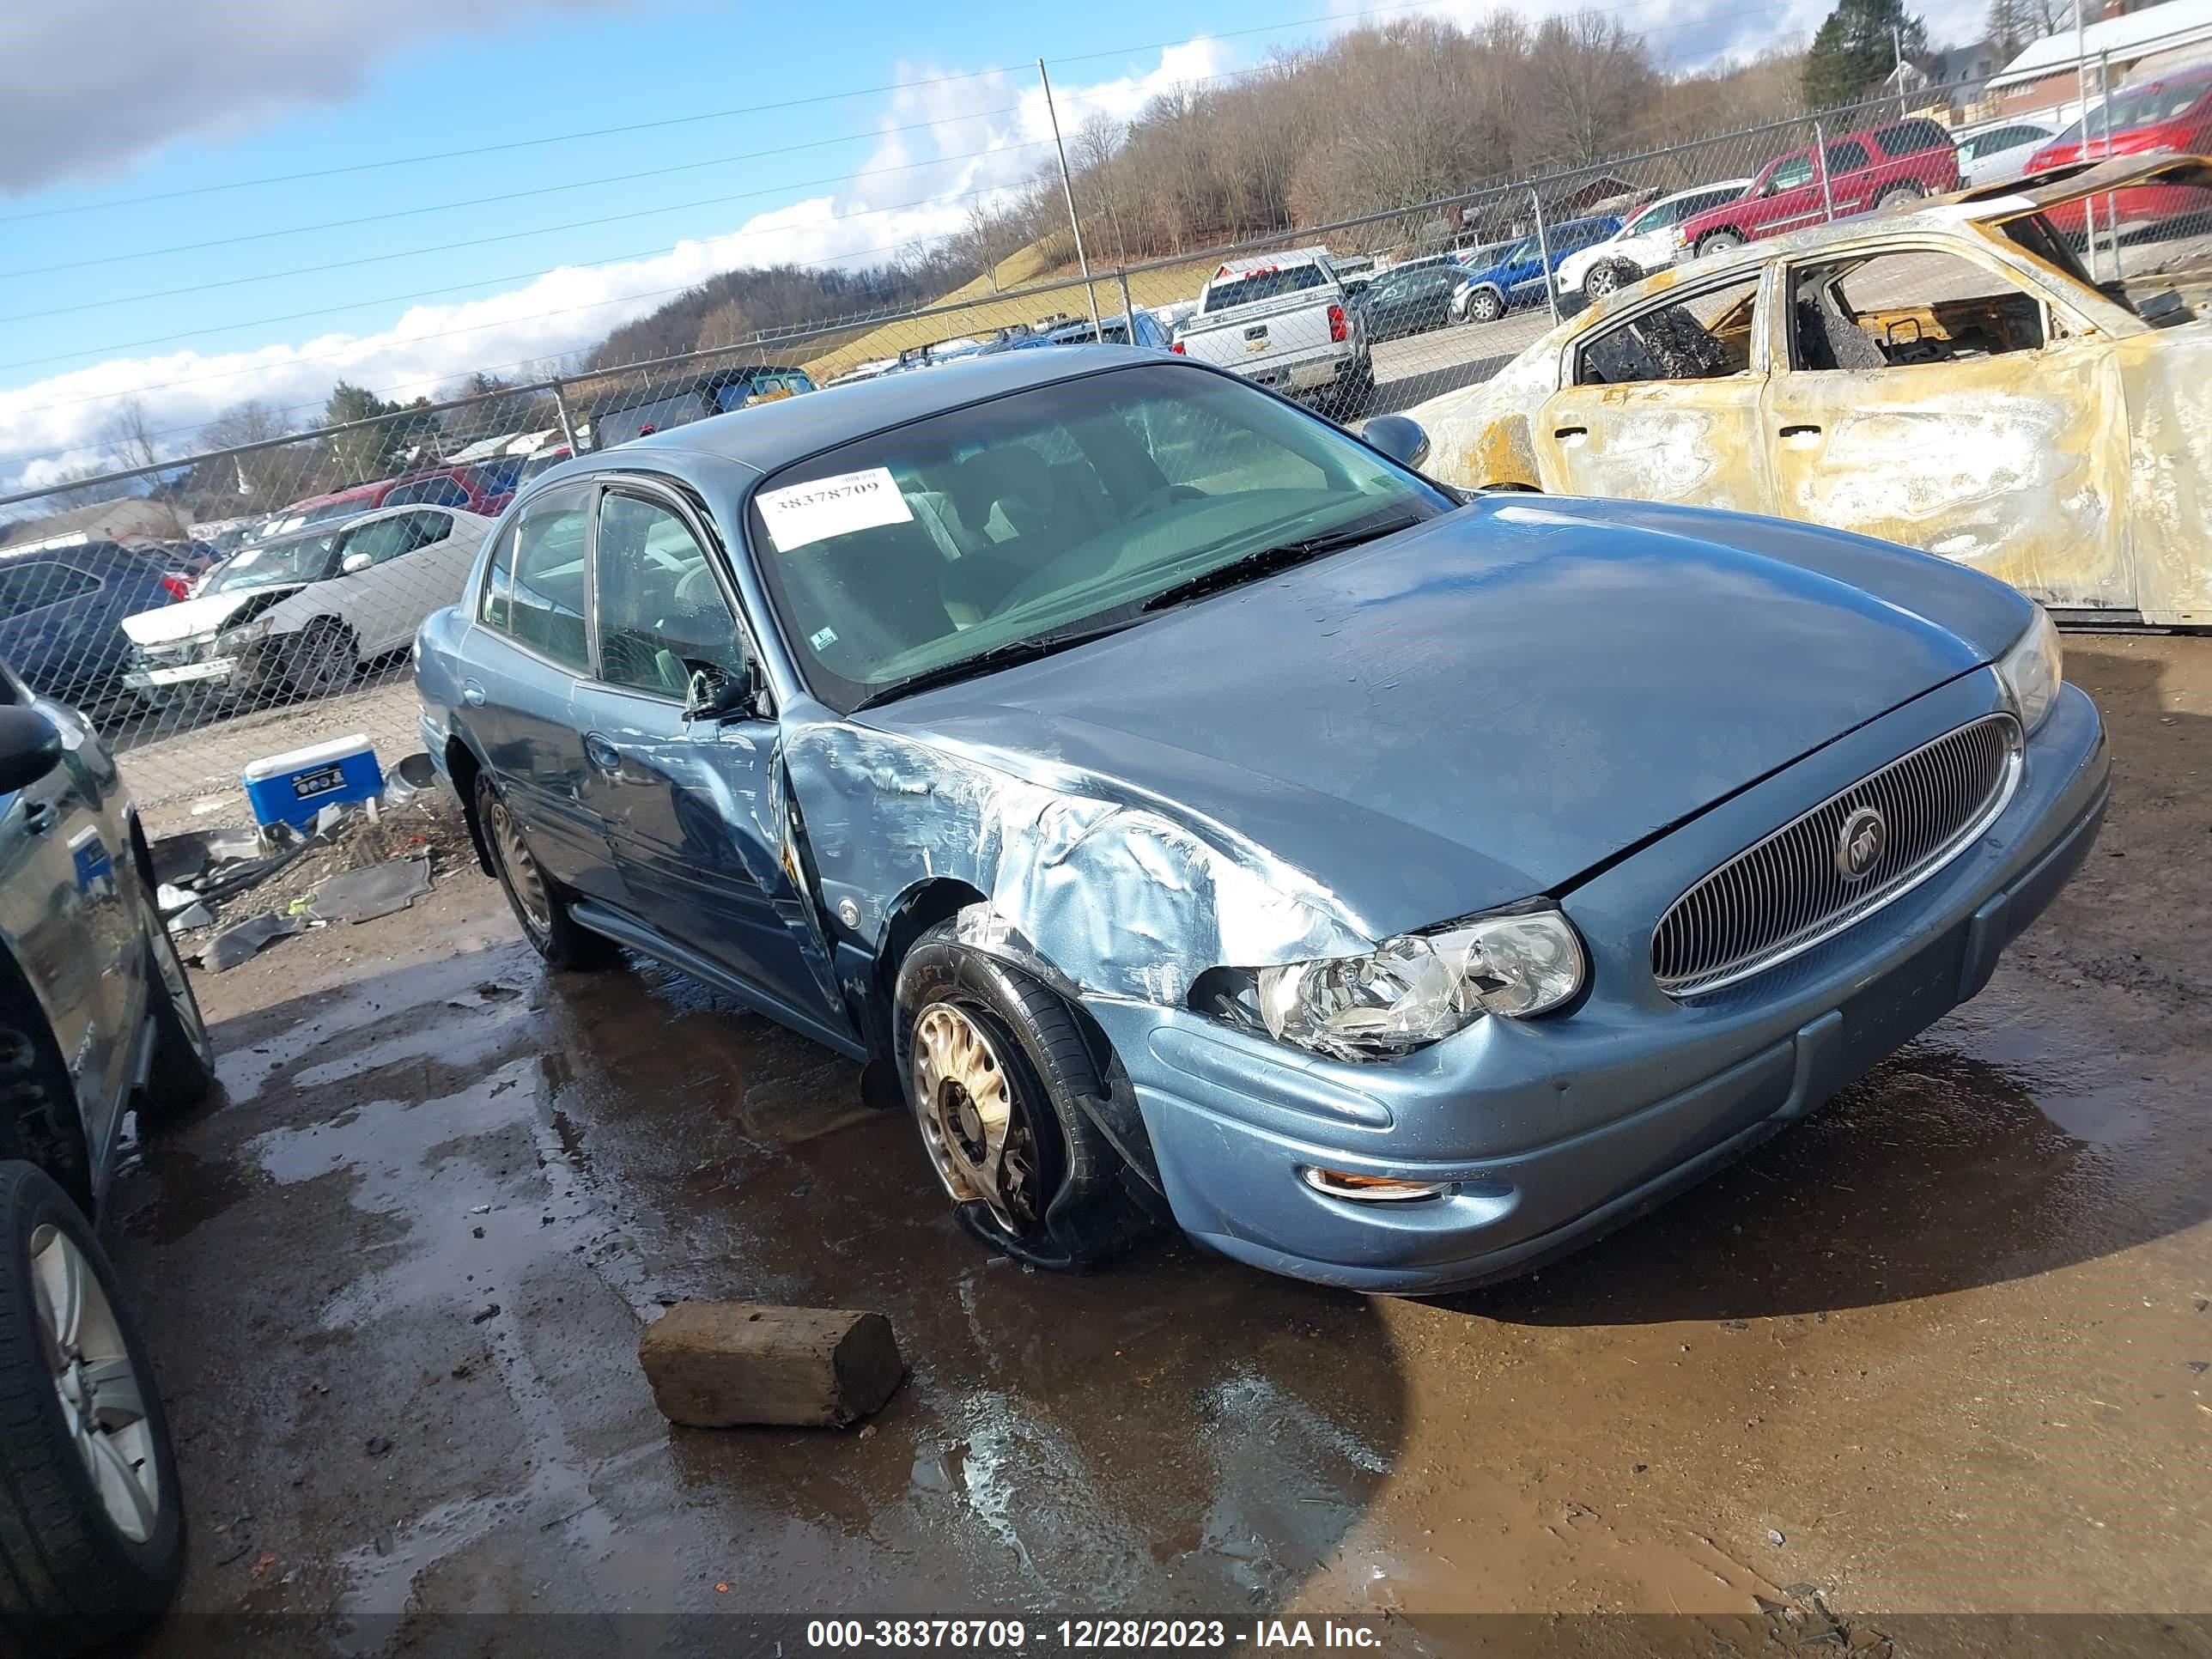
237	603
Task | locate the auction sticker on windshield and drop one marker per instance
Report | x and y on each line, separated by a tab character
802	514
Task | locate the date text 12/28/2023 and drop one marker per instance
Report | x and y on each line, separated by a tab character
1085	1635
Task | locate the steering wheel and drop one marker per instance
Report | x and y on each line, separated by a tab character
1165	497
696	585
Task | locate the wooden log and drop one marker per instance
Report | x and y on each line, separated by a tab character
716	1365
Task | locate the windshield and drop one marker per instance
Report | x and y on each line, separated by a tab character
1060	508
293	559
1263	284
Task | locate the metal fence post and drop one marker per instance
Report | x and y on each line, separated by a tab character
1544	252
1820	161
1128	305
567	426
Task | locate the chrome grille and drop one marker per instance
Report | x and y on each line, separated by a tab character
1785	895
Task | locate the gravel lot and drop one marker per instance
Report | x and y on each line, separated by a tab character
1940	1349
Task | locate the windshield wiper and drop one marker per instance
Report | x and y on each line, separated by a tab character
997	656
1266	560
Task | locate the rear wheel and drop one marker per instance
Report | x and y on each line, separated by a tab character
1905	189
539	902
1718	241
1350	397
91	1526
184	1056
996	1071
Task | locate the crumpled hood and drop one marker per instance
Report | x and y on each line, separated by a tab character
190	619
1483	708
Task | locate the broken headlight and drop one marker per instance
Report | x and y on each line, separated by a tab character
1409	990
2033	671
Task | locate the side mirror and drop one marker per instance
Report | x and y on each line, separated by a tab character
353	563
1399	437
715	695
30	748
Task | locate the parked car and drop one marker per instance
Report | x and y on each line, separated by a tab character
1284	320
694	398
1645	242
470	489
62	610
1184	808
2170	113
1991	154
1411	301
1949	379
1519	276
95	1012
1878	167
301	615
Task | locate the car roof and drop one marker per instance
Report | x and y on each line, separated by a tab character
767	436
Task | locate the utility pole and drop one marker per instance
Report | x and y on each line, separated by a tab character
2082	97
1067	189
1897	51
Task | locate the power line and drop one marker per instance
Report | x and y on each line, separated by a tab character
510	145
508	236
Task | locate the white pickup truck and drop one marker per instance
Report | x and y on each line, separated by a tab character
1283	320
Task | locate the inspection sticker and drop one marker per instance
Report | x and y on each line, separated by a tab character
832	507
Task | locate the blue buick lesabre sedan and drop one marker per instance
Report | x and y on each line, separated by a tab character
1188	810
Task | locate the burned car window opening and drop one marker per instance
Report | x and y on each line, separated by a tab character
1704	336
1054	510
1907	308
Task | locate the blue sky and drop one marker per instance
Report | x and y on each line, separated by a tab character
224	91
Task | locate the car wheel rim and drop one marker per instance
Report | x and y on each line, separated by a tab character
1602	282
523	876
102	1403
977	1137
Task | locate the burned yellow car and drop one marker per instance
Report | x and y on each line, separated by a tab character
1950	377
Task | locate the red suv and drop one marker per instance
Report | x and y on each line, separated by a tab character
1868	170
470	488
2172	112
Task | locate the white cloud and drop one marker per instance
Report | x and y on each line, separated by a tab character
994	131
91	85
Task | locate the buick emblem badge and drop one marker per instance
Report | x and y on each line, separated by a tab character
1860	843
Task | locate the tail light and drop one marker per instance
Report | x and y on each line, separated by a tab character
1338	329
1176	346
179	586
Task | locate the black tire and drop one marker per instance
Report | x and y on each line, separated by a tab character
70	1577
183	1072
1078	1214
540	904
1903	190
323	660
1609	276
1351	396
1718	241
1485	305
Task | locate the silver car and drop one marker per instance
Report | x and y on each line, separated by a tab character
95	1012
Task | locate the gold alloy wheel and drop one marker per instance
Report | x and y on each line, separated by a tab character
978	1140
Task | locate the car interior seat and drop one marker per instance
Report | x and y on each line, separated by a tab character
1828	337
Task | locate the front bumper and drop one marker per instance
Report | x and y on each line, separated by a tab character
149	679
1555	1131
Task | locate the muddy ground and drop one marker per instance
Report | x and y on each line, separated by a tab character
1940	1348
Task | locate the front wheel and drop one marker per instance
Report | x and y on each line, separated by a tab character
92	1524
323	662
1718	241
1485	305
996	1070
1608	277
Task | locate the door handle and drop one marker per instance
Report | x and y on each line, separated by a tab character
472	693
601	753
1801	431
1570	434
39	816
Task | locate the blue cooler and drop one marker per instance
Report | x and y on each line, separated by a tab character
291	789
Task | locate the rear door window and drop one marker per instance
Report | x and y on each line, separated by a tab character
34	584
1846	156
546	602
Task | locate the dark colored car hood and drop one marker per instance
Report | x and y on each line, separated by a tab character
1483	708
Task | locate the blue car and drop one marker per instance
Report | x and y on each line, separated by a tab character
62	611
1188	812
1523	275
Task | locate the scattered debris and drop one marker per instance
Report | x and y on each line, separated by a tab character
717	1364
2198	1367
377	1445
1774	1538
377	890
192	918
242	941
489	1310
